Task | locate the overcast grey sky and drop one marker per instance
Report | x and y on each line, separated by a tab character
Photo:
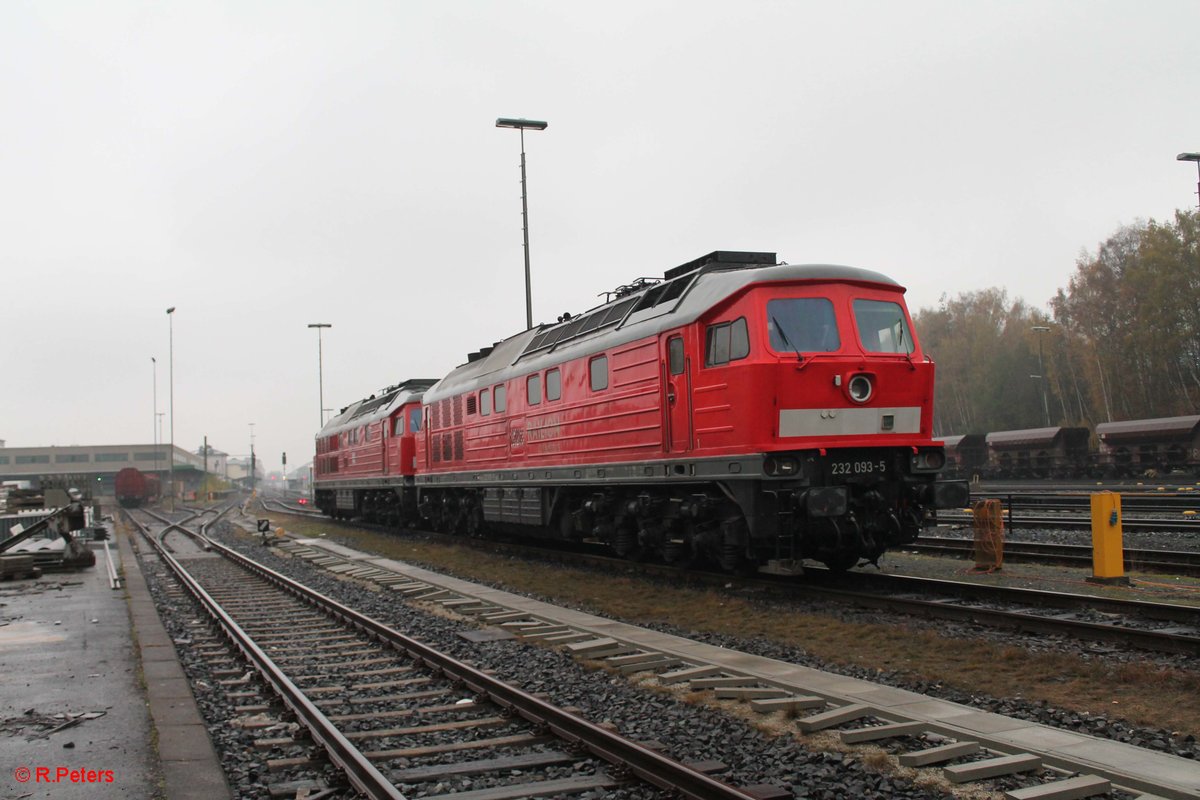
264	165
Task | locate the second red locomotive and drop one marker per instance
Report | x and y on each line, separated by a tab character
740	411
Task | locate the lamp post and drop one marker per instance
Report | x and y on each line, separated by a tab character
1196	158
521	125
171	457
1039	330
320	372
252	460
154	418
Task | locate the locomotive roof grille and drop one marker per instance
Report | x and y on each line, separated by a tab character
646	293
603	317
634	316
371	405
405	391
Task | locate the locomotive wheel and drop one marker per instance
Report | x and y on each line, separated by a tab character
474	521
841	562
625	543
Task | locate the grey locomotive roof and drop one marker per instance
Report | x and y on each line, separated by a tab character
1141	427
704	289
377	406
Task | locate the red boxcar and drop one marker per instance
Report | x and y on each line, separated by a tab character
134	487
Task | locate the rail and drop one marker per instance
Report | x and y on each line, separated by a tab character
638	760
361	773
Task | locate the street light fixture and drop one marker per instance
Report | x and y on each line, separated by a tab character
521	125
1196	158
171	457
1039	330
320	372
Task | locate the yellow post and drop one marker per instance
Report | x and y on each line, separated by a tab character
1108	553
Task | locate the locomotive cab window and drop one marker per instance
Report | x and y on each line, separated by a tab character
728	341
398	426
553	384
485	402
533	389
882	327
675	360
414	420
501	395
598	373
802	325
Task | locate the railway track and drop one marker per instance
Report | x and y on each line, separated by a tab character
1154	627
914	741
1172	562
387	709
1074	522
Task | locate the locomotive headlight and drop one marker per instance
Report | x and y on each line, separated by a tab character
777	466
860	388
929	460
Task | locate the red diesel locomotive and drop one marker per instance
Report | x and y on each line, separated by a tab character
740	411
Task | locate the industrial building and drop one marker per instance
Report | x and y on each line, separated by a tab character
95	466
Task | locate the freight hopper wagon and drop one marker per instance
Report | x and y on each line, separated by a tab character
739	411
1149	446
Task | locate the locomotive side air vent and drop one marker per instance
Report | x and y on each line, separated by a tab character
723	259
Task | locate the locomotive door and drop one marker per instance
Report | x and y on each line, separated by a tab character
677	380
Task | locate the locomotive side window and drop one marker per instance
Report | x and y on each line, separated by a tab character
398	426
501	399
553	384
598	372
882	327
485	402
802	325
675	355
414	420
728	341
533	389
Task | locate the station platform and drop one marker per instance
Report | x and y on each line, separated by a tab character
96	661
1157	774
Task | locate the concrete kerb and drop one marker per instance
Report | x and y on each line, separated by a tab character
187	760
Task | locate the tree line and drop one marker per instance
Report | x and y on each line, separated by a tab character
1121	341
